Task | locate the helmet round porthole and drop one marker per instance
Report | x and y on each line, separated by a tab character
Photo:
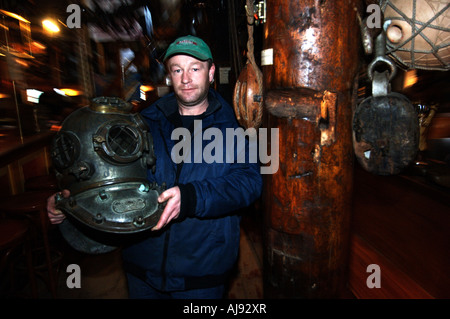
119	142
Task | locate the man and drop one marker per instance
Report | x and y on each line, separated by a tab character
195	244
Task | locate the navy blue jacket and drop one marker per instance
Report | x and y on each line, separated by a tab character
200	247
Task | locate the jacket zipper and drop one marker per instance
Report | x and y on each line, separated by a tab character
167	235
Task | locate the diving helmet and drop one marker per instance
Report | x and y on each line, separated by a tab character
101	155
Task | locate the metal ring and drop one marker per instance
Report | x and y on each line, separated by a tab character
376	62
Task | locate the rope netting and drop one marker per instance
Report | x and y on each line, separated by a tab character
424	29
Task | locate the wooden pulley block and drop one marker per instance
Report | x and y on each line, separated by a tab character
385	133
247	98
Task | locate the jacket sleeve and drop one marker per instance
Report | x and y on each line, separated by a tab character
188	200
237	189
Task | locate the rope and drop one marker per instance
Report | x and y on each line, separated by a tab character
251	58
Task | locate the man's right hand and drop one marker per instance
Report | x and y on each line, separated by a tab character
56	216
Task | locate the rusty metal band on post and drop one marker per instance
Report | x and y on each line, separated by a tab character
309	93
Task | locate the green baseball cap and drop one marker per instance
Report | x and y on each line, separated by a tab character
189	45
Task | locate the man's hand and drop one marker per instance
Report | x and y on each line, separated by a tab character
55	215
172	209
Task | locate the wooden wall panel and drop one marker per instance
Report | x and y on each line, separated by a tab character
394	284
405	220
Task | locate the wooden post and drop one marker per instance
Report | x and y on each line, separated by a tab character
85	75
310	86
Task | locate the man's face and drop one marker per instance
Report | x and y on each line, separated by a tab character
190	79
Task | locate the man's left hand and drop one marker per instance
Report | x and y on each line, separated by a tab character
172	209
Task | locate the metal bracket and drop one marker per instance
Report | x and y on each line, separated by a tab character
327	120
380	80
259	12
